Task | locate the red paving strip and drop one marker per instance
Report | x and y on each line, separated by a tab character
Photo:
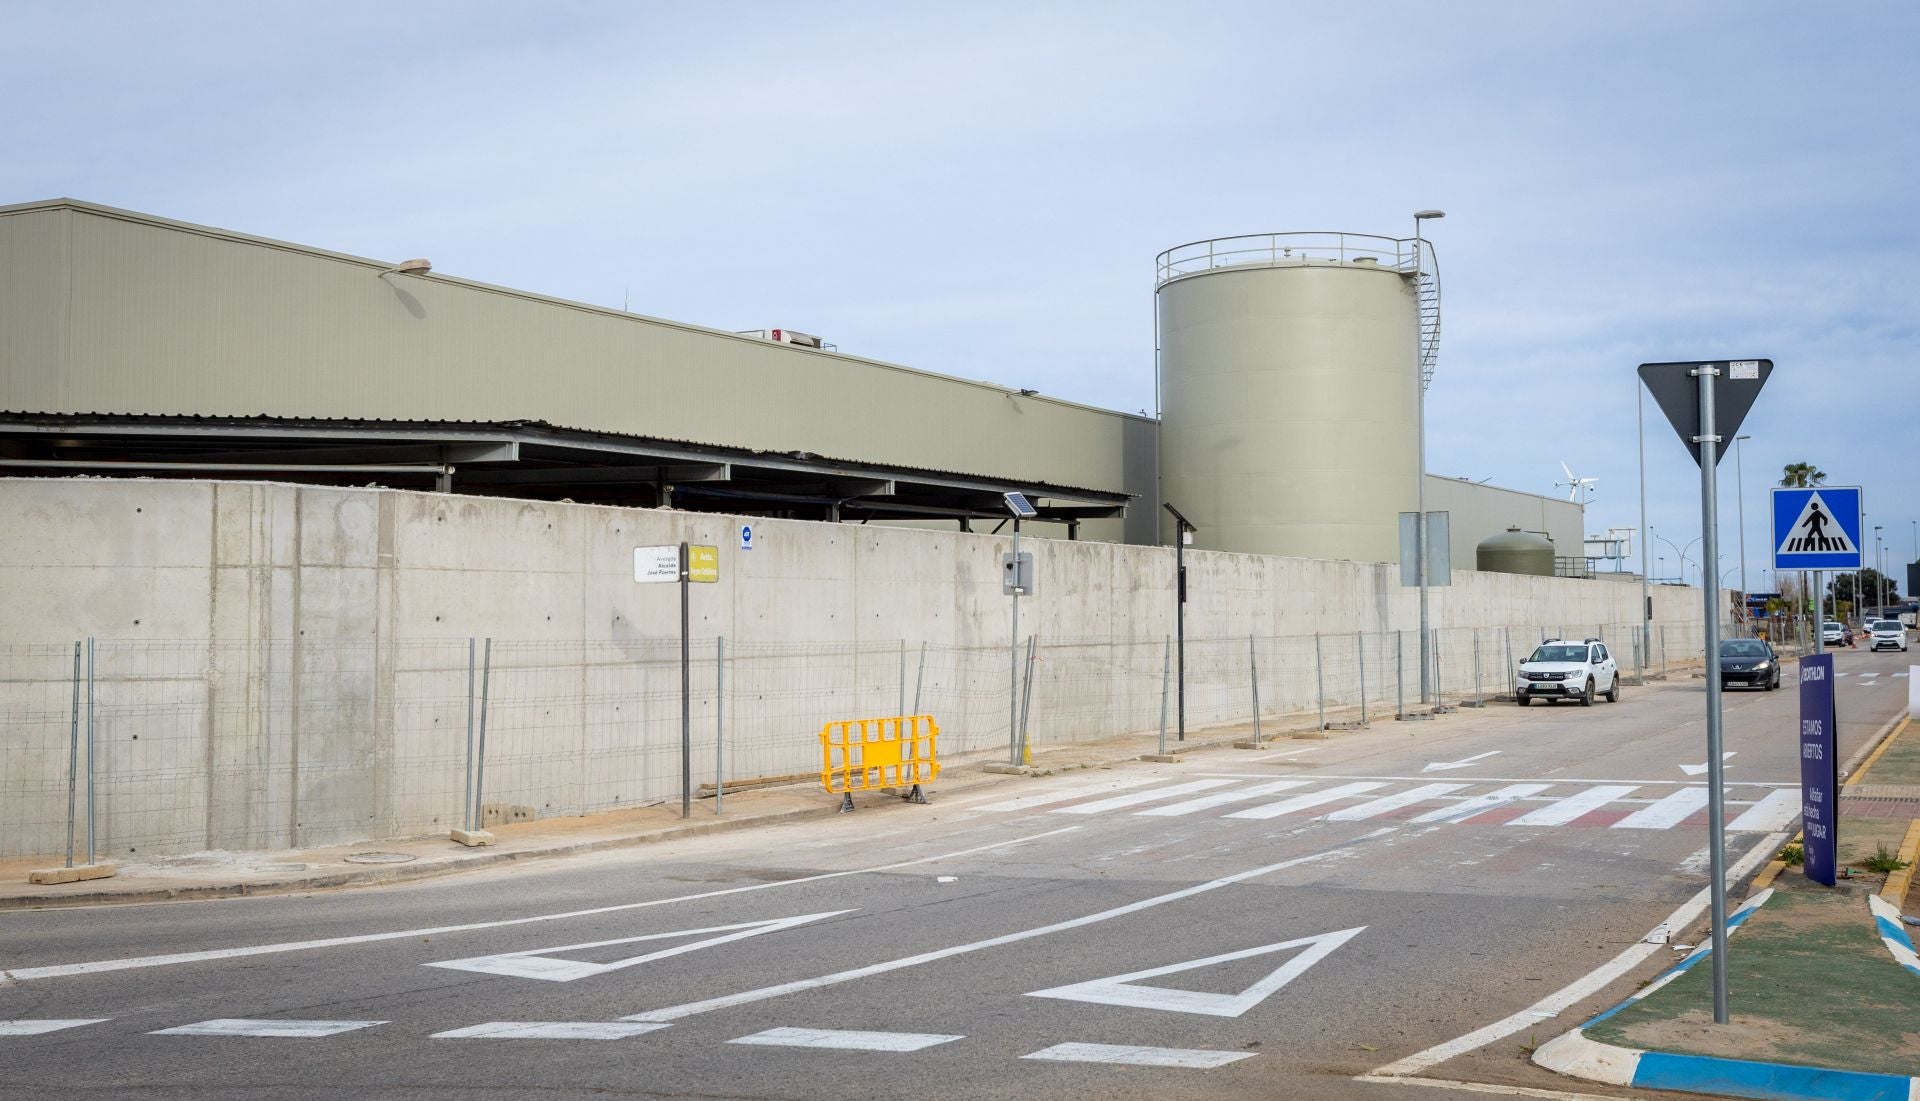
1880	808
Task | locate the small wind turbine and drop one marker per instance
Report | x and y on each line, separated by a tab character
1575	485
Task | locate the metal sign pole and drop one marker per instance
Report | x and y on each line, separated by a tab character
1180	624
686	692
1716	793
1013	659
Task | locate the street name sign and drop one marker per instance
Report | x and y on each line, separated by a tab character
1817	528
1676	389
1819	769
656	565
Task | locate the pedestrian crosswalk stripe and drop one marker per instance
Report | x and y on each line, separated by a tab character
1562	811
1136	798
1769	814
1072	791
1134	1056
1221	799
46	1025
1308	801
550	1030
1480	804
1666	813
843	1040
231	1026
1387	803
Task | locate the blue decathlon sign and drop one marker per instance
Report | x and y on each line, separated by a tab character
1817	528
1819	769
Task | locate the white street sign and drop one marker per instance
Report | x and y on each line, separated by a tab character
652	565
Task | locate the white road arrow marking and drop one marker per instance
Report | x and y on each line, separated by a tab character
1695	770
1120	989
1442	766
539	963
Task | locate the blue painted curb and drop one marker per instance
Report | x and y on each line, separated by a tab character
1576	1055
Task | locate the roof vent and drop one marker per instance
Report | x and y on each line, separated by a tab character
787	336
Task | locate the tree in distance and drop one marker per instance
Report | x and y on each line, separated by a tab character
1802	476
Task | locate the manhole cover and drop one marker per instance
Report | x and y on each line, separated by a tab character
378	858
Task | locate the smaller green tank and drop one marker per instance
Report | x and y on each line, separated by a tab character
1515	551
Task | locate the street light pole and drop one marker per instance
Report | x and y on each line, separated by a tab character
1646	534
1420	486
1740	493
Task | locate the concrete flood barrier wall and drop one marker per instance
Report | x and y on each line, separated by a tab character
282	666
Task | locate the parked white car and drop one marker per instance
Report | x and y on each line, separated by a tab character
1833	633
1890	633
1568	669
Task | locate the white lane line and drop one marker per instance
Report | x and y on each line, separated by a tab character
538	963
1071	791
842	1040
1731	782
674	1013
1668	812
1562	811
1480	804
1129	1056
60	970
300	1030
1484	1087
1701	768
1842	675
1581	988
1152	795
1388	803
549	1030
1302	752
45	1025
1769	814
1208	802
1306	802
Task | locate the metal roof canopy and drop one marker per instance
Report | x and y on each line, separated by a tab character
521	459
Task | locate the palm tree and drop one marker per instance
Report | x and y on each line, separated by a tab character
1802	476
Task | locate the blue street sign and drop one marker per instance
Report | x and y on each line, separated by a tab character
1817	528
1819	769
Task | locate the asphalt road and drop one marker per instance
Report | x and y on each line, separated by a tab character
1367	905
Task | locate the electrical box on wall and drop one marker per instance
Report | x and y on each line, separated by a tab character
1022	578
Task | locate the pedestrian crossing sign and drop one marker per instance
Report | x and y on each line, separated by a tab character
1816	528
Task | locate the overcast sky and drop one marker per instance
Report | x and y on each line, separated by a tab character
981	189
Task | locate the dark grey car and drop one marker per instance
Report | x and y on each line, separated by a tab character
1749	662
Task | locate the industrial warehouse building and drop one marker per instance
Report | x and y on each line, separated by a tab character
282	488
132	344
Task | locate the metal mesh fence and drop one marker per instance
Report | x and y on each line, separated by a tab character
189	746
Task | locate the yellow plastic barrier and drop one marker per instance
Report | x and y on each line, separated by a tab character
866	754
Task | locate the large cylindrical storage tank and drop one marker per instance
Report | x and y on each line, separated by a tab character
1288	395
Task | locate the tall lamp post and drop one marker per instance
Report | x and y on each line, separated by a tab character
1646	533
1740	493
1880	584
1420	493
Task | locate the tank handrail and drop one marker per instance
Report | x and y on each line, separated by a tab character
1285	247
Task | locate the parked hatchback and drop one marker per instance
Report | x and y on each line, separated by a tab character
1833	633
1749	662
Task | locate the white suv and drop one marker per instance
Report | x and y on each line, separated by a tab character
1568	669
1890	633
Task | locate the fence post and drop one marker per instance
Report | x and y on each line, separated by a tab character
90	816
1479	697
1026	699
903	678
1319	682
720	714
466	806
1253	667
1166	674
1439	697
919	676
480	756
1506	633
73	752
1399	676
1360	646
1663	650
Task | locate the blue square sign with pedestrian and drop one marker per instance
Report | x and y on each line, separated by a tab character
1817	528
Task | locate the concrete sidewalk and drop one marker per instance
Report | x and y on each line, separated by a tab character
1823	982
366	863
